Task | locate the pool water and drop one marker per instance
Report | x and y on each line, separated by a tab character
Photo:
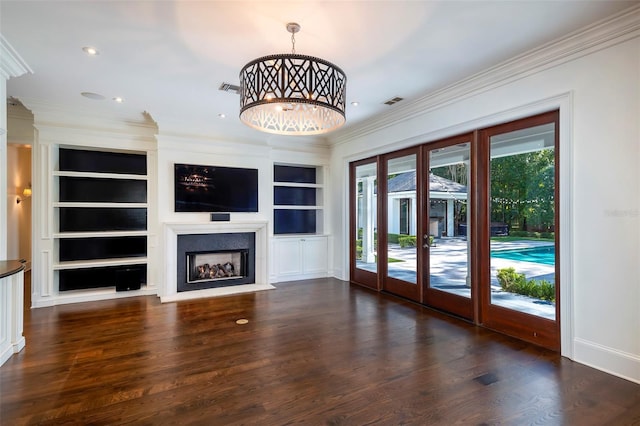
544	255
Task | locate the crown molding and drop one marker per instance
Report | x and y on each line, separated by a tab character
50	115
56	124
600	35
305	144
11	63
94	138
194	143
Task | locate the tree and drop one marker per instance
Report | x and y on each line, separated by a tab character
522	190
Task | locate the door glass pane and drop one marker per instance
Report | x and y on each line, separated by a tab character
449	220
366	217
522	188
402	218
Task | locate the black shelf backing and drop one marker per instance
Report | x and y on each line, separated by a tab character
294	221
294	196
93	219
102	248
125	276
294	174
83	189
77	160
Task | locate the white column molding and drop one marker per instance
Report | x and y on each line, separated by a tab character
450	217
11	65
368	250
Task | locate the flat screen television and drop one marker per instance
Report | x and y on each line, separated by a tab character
215	189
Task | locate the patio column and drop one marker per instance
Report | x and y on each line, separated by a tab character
450	218
368	201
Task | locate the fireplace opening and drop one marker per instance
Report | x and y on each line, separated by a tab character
214	266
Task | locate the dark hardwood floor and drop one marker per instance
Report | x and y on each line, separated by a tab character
317	352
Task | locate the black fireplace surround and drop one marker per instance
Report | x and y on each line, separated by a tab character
218	242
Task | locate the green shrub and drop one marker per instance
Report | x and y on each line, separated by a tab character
514	282
547	291
393	238
509	279
359	249
407	241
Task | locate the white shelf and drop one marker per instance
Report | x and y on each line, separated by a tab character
99	175
99	234
101	205
299	236
297	207
298	185
77	264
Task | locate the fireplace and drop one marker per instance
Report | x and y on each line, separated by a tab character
215	260
214	237
216	266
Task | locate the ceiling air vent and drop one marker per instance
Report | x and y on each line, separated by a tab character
228	87
393	100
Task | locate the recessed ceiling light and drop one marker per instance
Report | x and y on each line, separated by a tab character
355	103
92	51
221	115
118	99
94	96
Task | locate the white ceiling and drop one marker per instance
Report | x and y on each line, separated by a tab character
169	57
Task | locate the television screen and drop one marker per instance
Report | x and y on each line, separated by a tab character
215	189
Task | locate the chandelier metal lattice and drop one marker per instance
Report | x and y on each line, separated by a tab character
292	94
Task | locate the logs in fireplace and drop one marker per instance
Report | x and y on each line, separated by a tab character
216	265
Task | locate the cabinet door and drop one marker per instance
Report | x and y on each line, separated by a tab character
314	255
288	256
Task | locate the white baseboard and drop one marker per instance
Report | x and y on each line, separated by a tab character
609	360
299	277
79	296
6	354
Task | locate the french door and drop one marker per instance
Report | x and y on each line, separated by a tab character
401	182
518	229
468	225
447	279
363	184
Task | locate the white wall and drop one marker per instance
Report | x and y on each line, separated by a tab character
599	99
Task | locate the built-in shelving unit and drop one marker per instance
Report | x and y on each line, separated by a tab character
300	248
297	199
100	211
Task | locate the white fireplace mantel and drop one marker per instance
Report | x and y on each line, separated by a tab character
168	292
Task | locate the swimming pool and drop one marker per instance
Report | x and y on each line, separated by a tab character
545	255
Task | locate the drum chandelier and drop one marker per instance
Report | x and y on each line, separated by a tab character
292	94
